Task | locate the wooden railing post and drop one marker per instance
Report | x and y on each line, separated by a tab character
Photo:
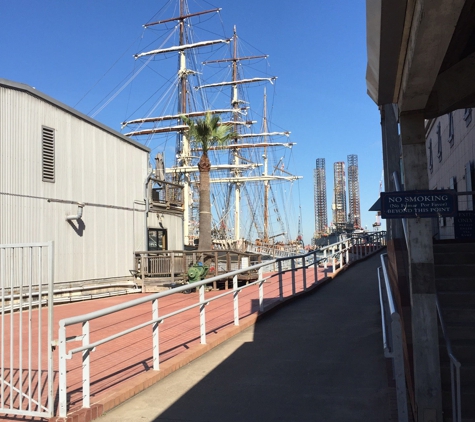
281	286
172	266
142	270
292	266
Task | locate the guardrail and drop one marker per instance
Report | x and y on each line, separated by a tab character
352	248
286	287
392	340
168	194
174	265
454	369
275	251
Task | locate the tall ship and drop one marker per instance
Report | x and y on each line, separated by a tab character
251	185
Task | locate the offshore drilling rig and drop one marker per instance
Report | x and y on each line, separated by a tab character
346	215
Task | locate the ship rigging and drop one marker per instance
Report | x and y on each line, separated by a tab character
241	169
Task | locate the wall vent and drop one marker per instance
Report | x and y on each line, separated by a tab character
47	139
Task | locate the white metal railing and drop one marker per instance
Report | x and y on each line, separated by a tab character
295	263
392	340
352	248
26	357
454	370
272	250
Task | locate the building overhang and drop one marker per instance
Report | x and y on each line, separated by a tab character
421	54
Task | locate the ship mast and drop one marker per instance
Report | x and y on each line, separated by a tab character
266	182
183	168
183	150
235	105
237	178
236	160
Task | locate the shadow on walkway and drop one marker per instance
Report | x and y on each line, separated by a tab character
318	358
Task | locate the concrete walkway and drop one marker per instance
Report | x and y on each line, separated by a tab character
317	358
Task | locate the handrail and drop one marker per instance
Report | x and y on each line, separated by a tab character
455	366
297	263
454	363
383	317
396	351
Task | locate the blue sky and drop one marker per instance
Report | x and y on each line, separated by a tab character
79	51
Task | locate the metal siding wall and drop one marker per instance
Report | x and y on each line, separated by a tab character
91	165
174	226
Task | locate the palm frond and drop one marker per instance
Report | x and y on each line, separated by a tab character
206	132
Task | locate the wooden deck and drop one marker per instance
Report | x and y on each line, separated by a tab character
159	270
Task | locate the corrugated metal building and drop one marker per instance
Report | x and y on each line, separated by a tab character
53	158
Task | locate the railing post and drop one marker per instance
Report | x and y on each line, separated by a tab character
86	367
281	287
315	267
340	254
304	274
333	259
397	348
155	336
172	266
50	325
202	314
292	266
458	405
399	374
236	300
63	403
325	256
347	245
261	291
142	270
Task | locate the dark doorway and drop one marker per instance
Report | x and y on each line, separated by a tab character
157	239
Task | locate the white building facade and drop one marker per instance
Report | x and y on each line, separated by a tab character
67	178
450	145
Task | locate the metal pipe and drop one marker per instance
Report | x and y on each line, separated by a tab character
78	215
133	225
146	199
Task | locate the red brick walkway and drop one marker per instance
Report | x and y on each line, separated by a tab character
123	367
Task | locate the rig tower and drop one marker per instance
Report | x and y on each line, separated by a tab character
339	196
320	198
354	213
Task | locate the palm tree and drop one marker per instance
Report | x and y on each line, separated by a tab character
204	133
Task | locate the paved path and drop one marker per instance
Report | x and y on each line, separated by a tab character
318	358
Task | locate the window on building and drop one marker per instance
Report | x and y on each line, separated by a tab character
47	151
157	240
469	176
439	142
468	116
431	159
453	183
451	129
